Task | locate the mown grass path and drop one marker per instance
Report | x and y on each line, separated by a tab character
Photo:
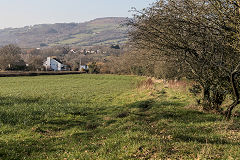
107	117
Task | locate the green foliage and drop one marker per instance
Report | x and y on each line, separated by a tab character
138	70
93	68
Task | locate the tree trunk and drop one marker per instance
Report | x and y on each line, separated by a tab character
206	98
235	93
217	100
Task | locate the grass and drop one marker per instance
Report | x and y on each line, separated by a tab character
107	117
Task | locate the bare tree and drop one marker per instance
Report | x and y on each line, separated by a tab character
197	35
10	58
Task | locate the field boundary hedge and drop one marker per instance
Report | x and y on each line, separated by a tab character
16	74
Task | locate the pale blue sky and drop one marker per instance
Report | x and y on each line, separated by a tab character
18	13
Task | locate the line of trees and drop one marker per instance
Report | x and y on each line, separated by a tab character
13	57
10	58
198	39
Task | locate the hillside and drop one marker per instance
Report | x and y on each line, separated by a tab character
95	32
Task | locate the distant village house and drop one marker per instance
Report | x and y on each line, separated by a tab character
83	67
53	64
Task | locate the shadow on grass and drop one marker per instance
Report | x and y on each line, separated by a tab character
42	148
183	124
7	101
170	103
142	105
62	124
187	116
174	111
31	111
203	139
166	115
21	117
16	149
18	110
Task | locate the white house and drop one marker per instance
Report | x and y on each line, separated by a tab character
85	67
54	64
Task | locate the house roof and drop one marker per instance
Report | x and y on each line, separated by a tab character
58	60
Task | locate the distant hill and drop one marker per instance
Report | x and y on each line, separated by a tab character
95	32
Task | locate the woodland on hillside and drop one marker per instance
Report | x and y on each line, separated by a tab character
101	31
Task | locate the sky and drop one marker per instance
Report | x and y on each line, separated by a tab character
19	13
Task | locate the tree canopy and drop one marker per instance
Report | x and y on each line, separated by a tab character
200	37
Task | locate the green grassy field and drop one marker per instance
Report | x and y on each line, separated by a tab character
108	117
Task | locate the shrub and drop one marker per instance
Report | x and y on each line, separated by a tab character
195	89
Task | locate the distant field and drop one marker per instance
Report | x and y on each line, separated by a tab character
108	117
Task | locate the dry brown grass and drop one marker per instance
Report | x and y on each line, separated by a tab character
194	107
146	84
175	84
